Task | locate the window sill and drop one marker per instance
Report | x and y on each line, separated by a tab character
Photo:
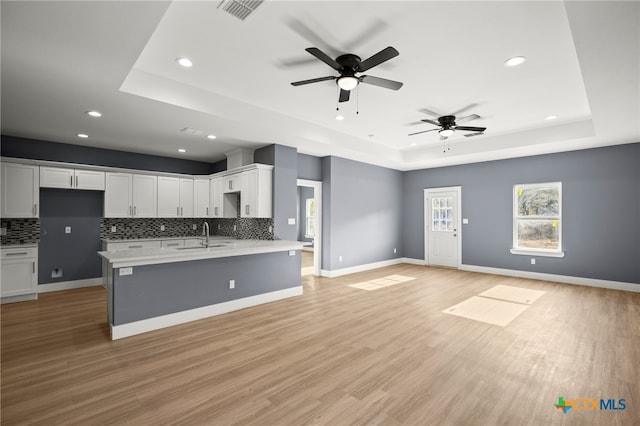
533	252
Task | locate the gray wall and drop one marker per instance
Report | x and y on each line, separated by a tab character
52	151
309	167
74	253
285	175
155	290
304	192
600	211
361	213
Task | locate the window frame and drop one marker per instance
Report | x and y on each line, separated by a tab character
532	251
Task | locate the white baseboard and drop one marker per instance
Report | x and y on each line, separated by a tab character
68	285
591	282
143	326
360	268
19	298
412	261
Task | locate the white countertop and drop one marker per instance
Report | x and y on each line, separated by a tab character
138	240
226	248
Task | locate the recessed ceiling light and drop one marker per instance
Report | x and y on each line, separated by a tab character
82	135
182	150
515	61
339	117
185	62
94	113
551	117
211	136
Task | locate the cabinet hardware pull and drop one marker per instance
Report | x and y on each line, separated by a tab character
215	211
35	209
135	246
246	209
134	210
17	254
172	244
177	211
207	211
181	211
130	211
34	267
76	181
230	184
71	183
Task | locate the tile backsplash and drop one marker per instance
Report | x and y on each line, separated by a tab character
20	231
126	228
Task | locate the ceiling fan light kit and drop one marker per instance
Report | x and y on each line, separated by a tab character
347	82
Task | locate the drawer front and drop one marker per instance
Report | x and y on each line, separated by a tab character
19	252
133	245
172	243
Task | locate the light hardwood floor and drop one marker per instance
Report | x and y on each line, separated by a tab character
336	355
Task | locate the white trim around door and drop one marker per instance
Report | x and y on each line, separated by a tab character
430	192
317	241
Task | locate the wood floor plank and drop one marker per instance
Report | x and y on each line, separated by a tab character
336	355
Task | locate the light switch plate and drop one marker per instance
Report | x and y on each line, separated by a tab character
292	221
465	221
292	252
113	228
67	229
126	271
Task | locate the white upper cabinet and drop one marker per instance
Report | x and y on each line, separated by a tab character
57	177
129	195
20	190
175	197
201	198
257	195
233	183
216	196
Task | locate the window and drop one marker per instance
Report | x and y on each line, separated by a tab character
310	229
442	214
537	219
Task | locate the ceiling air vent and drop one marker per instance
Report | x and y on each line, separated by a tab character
240	8
190	131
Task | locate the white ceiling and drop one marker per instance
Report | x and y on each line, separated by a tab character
60	59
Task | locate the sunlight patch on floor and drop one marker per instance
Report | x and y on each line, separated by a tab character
383	282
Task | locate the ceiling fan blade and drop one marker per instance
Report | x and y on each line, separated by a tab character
424	131
375	27
324	57
311	36
380	57
344	95
471	129
468	135
426	120
381	82
313	80
431	112
463	109
467	118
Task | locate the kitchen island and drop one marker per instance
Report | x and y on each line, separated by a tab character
153	288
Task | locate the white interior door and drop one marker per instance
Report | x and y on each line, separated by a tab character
442	228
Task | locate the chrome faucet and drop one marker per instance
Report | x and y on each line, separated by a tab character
205	231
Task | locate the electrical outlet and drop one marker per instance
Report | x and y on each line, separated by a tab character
270	229
339	258
3	231
533	261
126	271
67	229
291	221
232	283
234	228
218	227
194	226
162	228
395	250
292	252
113	228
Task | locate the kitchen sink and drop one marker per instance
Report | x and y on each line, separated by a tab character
201	247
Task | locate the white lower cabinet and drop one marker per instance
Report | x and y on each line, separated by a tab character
172	243
19	274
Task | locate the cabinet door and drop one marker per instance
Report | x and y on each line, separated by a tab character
118	195
168	197
145	196
249	198
232	183
20	190
89	180
216	197
56	177
186	197
18	277
201	198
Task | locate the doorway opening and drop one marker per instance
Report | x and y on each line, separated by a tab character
443	226
310	224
